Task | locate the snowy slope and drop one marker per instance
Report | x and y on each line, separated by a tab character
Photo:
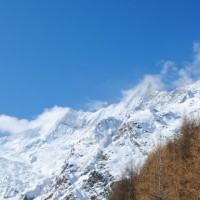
81	154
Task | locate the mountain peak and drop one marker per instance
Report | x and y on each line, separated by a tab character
83	153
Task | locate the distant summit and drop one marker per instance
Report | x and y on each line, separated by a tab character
78	155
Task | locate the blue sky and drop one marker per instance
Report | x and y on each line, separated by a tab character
71	52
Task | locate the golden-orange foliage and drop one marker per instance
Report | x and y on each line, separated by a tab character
172	172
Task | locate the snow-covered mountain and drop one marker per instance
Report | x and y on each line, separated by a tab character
81	154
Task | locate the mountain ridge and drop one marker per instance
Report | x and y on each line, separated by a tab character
80	155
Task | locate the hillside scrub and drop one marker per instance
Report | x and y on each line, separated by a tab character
170	172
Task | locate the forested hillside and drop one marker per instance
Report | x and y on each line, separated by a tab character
170	172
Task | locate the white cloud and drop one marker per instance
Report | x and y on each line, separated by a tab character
149	81
196	48
168	66
155	81
183	78
171	76
48	117
94	105
190	72
12	124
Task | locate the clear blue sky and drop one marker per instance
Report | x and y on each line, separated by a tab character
63	52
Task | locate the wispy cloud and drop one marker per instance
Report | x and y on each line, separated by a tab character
174	76
170	77
154	81
14	125
94	105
